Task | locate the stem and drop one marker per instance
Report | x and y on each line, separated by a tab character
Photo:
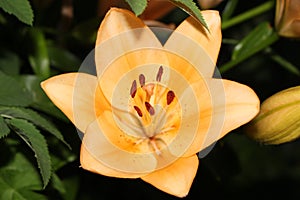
285	64
248	15
229	9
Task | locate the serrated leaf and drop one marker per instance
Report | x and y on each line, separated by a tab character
38	57
33	117
20	8
19	179
4	130
137	6
192	9
12	93
36	141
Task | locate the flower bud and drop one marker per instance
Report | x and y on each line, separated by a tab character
287	18
206	4
279	118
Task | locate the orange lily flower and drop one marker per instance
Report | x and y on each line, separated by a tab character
152	107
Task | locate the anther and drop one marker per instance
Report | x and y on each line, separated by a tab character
138	111
149	108
170	97
142	79
133	89
159	74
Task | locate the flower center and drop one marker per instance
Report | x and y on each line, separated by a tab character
156	110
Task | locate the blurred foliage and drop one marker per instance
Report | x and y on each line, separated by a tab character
39	147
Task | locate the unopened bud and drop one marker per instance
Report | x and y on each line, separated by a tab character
206	4
279	118
287	18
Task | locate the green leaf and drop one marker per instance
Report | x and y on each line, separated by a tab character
40	100
86	32
137	6
4	130
12	93
258	39
249	14
72	185
261	37
63	59
229	9
9	62
58	184
20	8
36	141
38	57
192	9
33	117
19	179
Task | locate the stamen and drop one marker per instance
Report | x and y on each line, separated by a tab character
142	79
138	111
149	108
159	74
133	89
155	147
170	97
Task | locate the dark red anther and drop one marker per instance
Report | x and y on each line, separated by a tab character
159	74
138	111
170	97
149	108
133	89
142	79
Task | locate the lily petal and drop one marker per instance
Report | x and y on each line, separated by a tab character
117	21
112	147
78	96
118	78
124	43
196	102
233	105
177	178
197	45
121	32
89	163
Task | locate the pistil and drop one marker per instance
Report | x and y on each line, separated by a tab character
150	103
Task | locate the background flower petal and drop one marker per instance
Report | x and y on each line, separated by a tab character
177	178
